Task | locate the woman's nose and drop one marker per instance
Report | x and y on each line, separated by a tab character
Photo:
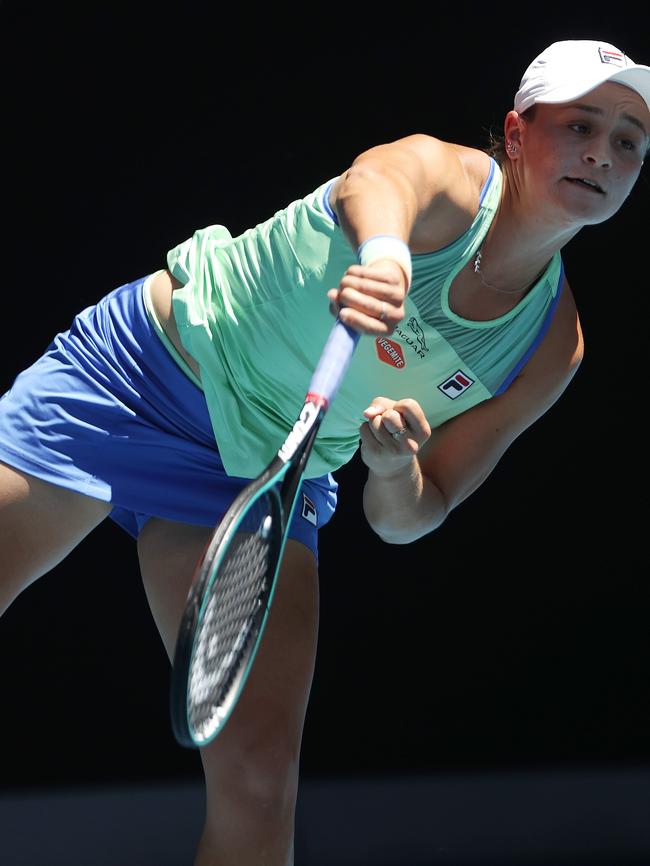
598	153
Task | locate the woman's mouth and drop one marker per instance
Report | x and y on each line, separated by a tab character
586	183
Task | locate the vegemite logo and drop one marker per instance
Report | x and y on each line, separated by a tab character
309	510
390	352
456	385
611	57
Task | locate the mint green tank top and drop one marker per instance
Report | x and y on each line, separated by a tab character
253	312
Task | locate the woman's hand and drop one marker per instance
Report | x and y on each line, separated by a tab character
370	298
393	434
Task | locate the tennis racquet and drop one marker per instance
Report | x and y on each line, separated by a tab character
233	585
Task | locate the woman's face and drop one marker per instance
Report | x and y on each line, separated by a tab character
584	157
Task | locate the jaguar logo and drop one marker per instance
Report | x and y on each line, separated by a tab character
418	345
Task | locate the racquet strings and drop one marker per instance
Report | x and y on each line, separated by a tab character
230	620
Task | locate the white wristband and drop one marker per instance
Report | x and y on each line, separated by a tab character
386	247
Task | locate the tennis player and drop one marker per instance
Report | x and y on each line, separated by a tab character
161	400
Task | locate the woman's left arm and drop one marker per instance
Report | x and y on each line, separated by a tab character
415	480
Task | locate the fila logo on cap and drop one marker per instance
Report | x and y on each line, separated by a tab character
456	384
613	58
309	510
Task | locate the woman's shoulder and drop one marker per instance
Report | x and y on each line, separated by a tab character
476	165
446	178
461	172
457	176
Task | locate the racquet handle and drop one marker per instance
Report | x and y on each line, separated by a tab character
333	362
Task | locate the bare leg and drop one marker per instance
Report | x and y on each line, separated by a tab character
252	767
40	524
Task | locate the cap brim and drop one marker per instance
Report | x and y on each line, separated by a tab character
636	77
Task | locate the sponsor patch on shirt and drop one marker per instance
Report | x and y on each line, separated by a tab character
456	384
390	352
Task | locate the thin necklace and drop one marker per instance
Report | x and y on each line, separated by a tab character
479	256
477	270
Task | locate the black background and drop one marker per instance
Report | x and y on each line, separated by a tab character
516	635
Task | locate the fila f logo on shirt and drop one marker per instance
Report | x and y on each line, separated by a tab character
456	384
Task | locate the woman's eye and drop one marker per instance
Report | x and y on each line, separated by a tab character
627	144
579	127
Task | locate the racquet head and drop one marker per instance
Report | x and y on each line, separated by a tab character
225	617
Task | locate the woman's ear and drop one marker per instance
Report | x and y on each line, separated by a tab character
512	128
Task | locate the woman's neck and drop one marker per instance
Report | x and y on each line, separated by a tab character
521	240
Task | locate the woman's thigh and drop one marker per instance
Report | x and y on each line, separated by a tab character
268	720
40	523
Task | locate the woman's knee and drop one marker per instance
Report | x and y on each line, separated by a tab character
257	772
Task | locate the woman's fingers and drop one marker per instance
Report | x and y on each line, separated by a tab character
397	425
414	418
370	299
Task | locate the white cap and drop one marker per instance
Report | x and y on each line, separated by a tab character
567	70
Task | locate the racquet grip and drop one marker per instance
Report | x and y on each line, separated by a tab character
334	361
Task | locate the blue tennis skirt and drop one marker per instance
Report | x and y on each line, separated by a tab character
106	411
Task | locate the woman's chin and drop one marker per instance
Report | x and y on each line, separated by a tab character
583	203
